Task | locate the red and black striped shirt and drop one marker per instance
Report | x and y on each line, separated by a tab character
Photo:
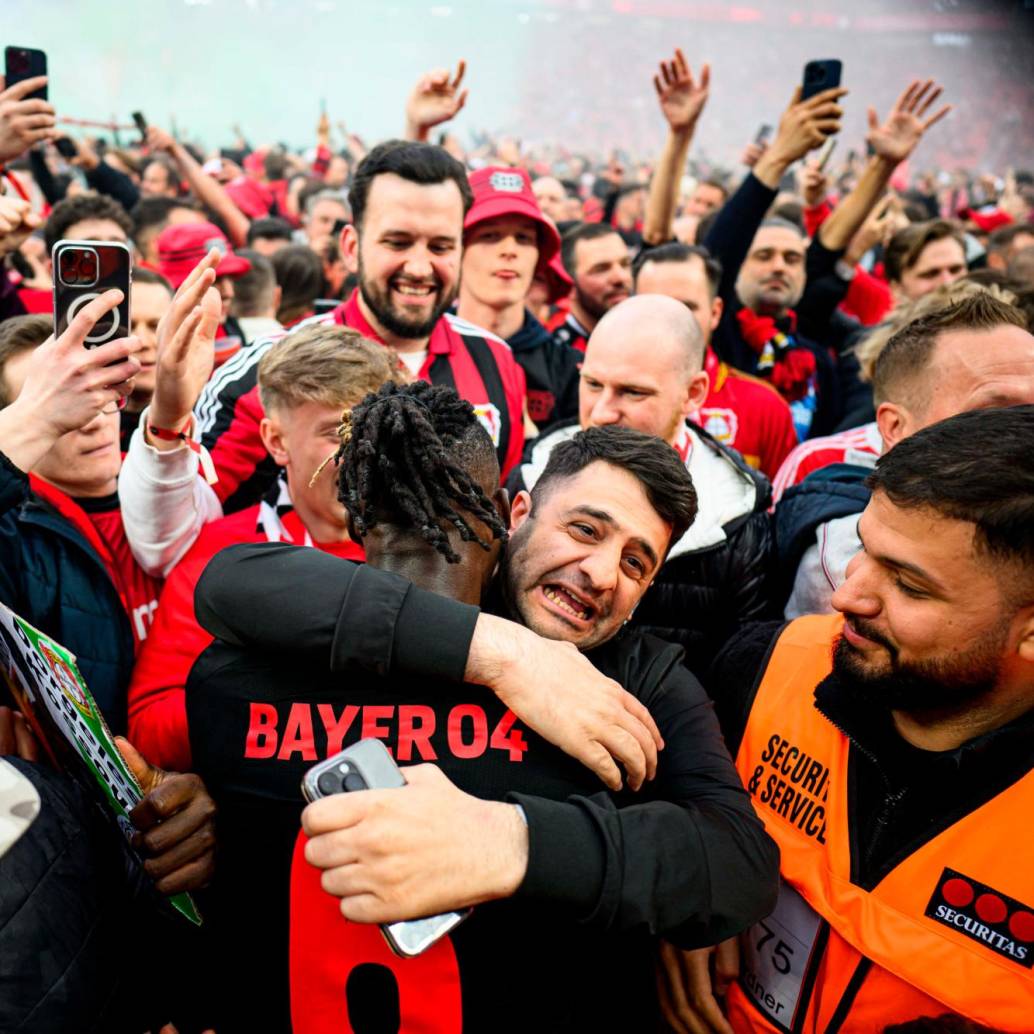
477	365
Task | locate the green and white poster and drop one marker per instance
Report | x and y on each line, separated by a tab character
52	695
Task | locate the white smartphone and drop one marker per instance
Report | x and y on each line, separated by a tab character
367	765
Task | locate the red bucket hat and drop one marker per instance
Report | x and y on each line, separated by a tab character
505	191
182	246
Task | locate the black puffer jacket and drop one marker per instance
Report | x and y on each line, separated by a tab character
65	905
717	575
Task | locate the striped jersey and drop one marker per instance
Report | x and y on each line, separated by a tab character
477	365
861	446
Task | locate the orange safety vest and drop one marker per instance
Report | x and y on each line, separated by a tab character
949	929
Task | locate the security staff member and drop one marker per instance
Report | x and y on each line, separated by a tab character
896	776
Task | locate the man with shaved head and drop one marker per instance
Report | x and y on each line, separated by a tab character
643	369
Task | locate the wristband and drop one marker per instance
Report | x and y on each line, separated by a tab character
165	435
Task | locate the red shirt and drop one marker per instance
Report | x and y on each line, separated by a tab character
748	415
99	521
477	365
157	701
860	446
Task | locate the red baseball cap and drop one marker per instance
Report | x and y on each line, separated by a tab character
504	191
182	246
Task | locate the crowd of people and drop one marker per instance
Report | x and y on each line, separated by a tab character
674	532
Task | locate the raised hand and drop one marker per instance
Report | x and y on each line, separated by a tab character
17	221
436	98
186	348
160	140
814	185
682	99
897	138
24	122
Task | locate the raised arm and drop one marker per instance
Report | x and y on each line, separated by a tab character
803	127
209	190
435	99
892	142
681	100
164	502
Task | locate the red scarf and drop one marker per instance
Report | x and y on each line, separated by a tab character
790	367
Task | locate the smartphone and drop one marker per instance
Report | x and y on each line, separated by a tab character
367	765
21	63
65	147
141	124
763	133
819	76
82	271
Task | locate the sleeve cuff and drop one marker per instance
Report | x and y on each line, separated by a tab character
565	855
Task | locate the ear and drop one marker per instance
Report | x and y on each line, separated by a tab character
696	392
501	502
350	248
894	423
1025	646
273	439
717	307
520	509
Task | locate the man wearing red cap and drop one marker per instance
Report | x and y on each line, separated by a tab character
506	240
180	248
408	202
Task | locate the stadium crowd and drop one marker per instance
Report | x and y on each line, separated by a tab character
673	528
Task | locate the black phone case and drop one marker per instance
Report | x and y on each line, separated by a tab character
819	76
114	270
21	63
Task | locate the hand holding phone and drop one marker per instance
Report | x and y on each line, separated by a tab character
819	76
83	271
25	116
367	765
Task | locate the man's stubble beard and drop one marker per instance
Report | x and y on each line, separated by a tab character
925	687
380	305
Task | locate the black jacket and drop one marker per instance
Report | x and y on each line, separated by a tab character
717	576
685	857
52	577
551	370
839	389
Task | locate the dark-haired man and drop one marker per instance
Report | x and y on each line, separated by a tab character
644	369
922	257
597	259
405	242
592	877
888	750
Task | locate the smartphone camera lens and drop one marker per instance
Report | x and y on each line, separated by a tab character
327	783
77	267
354	781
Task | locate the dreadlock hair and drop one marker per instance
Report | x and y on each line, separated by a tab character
407	456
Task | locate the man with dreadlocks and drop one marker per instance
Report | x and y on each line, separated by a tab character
570	884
